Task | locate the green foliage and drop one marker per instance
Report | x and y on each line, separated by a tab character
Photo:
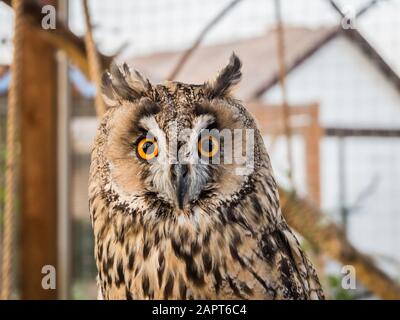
79	291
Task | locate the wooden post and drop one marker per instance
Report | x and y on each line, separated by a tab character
38	165
313	135
64	167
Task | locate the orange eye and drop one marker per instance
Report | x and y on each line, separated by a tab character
208	146
147	148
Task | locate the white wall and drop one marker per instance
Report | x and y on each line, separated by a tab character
352	92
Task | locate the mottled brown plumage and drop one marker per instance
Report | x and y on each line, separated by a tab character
186	230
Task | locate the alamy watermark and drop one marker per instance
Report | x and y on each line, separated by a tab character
349	20
49	278
209	146
349	277
49	20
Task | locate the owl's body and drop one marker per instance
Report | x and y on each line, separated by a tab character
184	229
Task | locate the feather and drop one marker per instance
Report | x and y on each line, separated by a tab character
226	79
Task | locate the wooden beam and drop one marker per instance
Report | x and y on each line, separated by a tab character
313	135
327	237
362	132
270	117
61	37
38	165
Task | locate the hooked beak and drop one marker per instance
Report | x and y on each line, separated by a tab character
181	183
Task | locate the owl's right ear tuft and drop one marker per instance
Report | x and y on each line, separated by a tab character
118	85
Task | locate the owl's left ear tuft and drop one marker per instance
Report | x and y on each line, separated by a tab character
119	85
226	79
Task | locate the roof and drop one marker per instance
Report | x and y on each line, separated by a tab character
257	54
260	65
259	57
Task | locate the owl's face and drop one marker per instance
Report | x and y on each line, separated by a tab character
176	143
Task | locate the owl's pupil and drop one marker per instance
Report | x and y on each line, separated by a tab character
148	147
208	145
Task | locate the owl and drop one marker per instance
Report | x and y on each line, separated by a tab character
182	197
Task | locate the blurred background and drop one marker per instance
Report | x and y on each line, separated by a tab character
321	77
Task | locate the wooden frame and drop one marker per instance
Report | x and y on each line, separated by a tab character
304	121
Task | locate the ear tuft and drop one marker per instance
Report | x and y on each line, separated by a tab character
108	93
226	79
120	85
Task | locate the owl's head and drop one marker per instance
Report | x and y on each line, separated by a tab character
178	144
